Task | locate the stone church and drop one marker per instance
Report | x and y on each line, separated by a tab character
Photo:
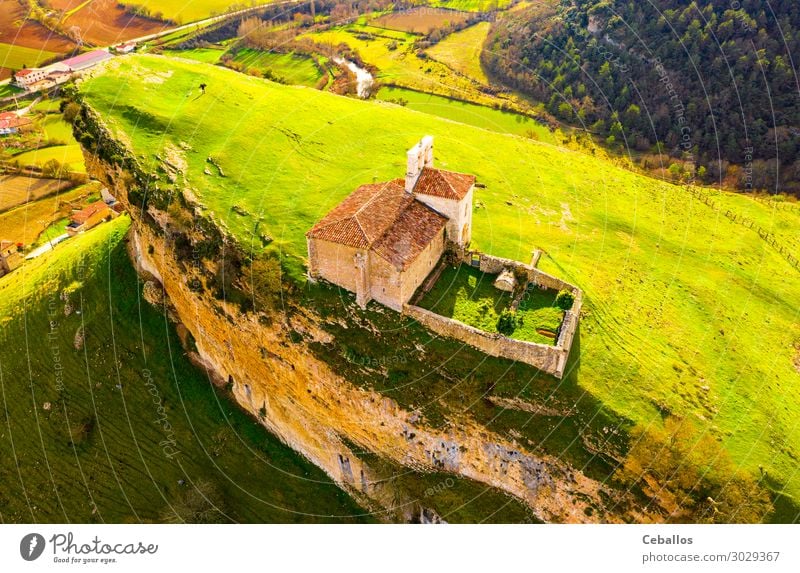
385	238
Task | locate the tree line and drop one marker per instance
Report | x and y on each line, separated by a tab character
710	83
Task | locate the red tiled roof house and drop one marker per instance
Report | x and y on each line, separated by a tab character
385	238
89	217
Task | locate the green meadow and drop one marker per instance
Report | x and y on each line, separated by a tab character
18	57
205	55
685	312
295	69
472	114
462	51
105	420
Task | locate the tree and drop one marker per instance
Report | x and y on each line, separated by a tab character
71	111
690	476
508	322
564	299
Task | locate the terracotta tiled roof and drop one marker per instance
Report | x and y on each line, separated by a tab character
383	218
364	216
23	73
83	215
413	230
446	184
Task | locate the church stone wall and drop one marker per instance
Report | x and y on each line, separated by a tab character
385	283
334	263
422	266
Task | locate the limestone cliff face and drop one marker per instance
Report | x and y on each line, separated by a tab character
323	416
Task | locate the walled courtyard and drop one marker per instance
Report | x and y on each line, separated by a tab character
466	294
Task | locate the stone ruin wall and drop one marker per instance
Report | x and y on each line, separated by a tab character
550	359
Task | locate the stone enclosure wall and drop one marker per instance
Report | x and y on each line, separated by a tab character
550	359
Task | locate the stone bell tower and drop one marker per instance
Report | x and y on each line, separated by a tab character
418	157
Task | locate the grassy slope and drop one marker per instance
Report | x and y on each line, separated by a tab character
94	456
470	113
207	55
461	51
294	69
677	297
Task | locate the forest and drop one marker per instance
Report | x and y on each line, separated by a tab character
711	84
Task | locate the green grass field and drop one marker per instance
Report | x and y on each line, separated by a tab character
295	69
462	50
470	113
56	129
82	422
17	57
469	5
467	295
684	311
7	90
205	55
70	154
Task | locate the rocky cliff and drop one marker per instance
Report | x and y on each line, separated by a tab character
286	386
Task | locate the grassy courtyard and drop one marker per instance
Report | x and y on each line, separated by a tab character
466	294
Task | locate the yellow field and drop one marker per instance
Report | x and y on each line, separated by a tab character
25	223
462	51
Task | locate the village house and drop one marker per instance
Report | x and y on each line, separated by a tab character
11	123
384	239
36	79
90	217
10	256
125	48
24	78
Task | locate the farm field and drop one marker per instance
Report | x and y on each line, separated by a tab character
26	223
183	12
470	5
465	294
17	189
419	21
69	154
658	334
21	33
469	113
104	22
205	55
17	57
56	129
401	66
462	51
127	386
293	69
